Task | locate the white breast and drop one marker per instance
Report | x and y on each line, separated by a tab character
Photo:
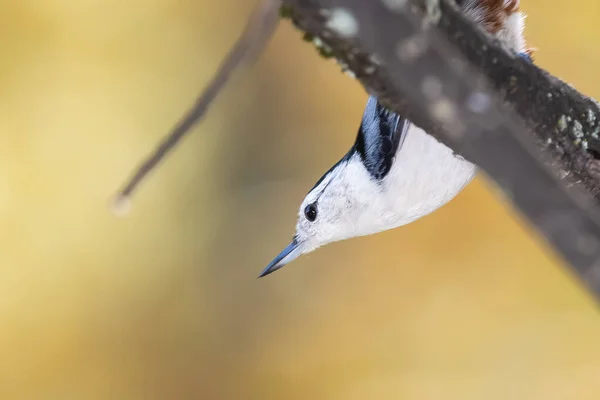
425	175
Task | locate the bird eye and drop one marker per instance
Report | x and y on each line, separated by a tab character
310	212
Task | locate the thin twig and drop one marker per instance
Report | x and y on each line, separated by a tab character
259	29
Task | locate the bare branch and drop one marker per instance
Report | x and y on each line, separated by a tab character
258	31
468	115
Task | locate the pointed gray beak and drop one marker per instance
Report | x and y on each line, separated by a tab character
290	253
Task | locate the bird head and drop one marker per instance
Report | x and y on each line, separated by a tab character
344	203
349	200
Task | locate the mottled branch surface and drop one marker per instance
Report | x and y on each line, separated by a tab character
527	130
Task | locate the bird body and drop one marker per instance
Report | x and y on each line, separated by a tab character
395	173
378	185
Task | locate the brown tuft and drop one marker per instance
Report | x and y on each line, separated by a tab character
496	13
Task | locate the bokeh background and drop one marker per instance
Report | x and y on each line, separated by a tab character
165	304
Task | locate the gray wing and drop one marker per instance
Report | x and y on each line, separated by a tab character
379	137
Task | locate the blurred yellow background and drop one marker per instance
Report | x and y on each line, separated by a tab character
165	304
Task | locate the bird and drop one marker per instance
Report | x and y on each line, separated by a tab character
394	173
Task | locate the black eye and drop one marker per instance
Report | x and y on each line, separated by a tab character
310	212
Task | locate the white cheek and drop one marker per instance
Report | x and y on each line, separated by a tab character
304	230
359	204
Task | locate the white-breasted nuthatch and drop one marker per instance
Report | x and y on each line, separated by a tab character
395	173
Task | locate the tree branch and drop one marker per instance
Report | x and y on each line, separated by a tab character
399	49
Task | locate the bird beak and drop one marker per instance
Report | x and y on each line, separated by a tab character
290	253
